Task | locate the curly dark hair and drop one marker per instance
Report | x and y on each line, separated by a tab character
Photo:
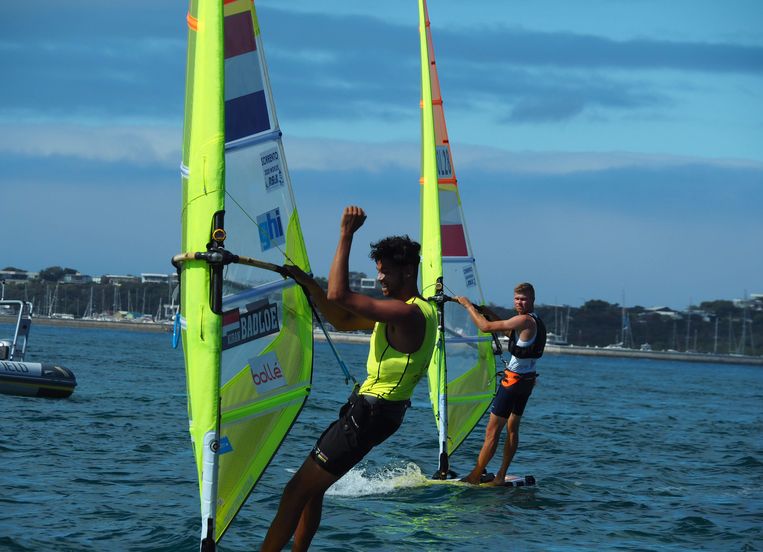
401	250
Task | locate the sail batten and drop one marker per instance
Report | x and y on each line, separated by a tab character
252	140
248	363
462	371
260	408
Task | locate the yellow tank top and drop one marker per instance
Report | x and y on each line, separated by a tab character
393	375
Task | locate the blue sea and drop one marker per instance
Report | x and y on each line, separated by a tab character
628	455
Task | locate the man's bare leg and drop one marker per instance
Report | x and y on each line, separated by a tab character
492	434
509	448
308	524
300	508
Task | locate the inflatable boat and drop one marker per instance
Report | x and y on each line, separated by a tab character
36	380
31	379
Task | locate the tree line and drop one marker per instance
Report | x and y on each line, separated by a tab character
718	326
49	295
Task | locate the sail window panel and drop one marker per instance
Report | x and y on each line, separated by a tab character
256	210
450	211
242	76
245	116
239	34
460	279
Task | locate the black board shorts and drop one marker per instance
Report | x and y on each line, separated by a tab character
513	394
363	423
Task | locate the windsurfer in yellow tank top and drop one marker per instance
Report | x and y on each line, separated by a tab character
404	328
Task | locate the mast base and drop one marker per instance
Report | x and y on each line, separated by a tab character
442	475
208	543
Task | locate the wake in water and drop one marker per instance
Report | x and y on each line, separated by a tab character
359	482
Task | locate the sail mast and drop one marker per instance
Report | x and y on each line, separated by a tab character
246	331
203	191
462	371
431	245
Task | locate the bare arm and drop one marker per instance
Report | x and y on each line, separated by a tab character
488	313
340	318
339	285
406	322
390	311
515	323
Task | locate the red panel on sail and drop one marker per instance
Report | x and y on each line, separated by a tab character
453	240
239	34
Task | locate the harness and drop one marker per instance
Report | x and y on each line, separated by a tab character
360	408
511	378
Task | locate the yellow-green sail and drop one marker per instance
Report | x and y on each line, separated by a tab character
462	371
249	365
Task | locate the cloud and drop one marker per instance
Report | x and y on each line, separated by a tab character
515	46
536	76
159	146
338	155
656	226
123	144
344	67
92	60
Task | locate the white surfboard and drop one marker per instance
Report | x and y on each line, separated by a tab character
509	481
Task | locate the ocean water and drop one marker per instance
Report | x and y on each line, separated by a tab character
628	455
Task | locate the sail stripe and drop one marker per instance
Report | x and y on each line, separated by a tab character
245	116
239	35
246	109
288	391
242	75
457	260
262	407
453	240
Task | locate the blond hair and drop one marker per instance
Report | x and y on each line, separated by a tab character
525	288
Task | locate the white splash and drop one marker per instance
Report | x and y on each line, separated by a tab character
358	482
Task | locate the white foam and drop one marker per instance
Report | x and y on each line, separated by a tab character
358	482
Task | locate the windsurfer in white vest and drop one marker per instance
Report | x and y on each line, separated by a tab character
404	328
527	339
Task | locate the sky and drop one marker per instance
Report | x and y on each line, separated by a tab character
607	149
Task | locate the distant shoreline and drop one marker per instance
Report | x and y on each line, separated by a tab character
654	355
342	337
93	324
